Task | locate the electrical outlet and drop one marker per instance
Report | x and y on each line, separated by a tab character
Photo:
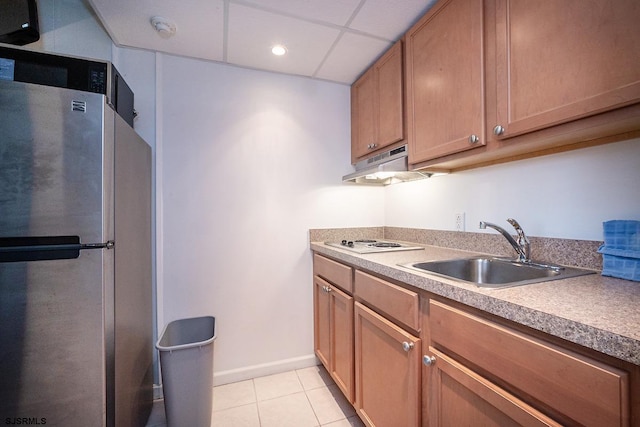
459	221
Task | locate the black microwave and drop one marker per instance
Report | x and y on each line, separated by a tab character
27	66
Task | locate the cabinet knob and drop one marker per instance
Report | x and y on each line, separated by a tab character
473	139
498	130
406	346
371	146
326	288
428	360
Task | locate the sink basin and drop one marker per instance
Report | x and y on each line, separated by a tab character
490	272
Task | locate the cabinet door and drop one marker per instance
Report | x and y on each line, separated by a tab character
461	397
377	105
321	321
560	60
342	369
390	98
363	115
333	334
445	84
387	371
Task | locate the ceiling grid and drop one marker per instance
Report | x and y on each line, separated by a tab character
334	40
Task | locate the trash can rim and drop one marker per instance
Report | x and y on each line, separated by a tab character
187	345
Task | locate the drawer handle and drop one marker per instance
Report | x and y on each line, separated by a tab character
406	346
428	360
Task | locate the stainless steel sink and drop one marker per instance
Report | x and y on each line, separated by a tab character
490	272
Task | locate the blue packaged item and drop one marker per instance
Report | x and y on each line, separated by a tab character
621	249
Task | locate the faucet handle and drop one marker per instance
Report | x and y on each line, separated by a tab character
523	241
519	229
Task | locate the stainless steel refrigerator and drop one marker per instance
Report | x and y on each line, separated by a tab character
75	261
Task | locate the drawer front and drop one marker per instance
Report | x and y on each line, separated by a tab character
334	272
399	303
584	390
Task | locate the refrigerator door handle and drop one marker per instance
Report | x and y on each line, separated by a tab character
19	249
106	245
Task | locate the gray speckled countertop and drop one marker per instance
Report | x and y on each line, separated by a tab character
597	312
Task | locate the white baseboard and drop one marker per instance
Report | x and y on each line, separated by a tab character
157	392
255	371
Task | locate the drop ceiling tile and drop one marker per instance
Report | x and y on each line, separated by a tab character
389	18
252	33
198	35
353	54
309	28
334	12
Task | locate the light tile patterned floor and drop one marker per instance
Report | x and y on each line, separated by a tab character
300	398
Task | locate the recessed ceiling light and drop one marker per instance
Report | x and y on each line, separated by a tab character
278	50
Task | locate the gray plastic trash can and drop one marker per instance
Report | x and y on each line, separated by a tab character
186	359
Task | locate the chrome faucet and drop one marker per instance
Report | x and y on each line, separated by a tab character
522	246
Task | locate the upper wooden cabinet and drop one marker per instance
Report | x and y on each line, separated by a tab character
377	112
561	60
520	78
445	81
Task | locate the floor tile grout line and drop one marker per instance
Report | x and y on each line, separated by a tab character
306	392
255	393
235	405
306	395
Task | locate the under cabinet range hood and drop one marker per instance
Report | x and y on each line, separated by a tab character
389	167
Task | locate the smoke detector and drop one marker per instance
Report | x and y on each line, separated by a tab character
163	26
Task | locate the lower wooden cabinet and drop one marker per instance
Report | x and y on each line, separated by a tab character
388	372
472	354
333	337
460	397
467	368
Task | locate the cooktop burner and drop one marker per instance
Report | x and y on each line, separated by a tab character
366	246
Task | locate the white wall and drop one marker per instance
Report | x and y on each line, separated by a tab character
566	195
70	27
249	162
